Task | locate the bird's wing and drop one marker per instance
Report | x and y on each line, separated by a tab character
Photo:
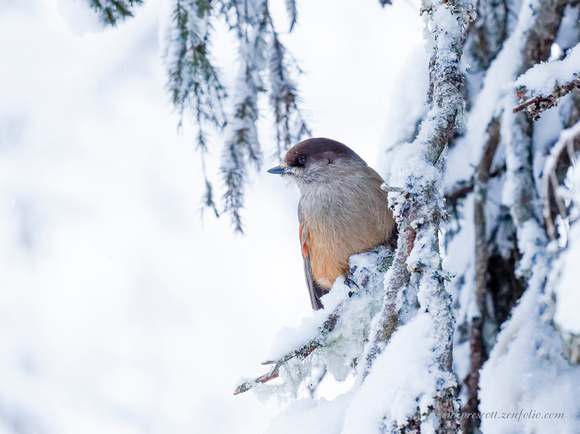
313	288
391	240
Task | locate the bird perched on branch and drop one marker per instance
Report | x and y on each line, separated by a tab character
342	209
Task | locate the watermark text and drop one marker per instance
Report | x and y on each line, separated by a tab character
519	416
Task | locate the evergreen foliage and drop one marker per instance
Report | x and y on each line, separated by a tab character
113	11
197	89
198	92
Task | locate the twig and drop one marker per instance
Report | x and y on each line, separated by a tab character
244	387
538	104
388	188
301	353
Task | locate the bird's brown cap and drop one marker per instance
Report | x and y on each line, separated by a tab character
318	148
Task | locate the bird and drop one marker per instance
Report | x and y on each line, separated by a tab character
342	209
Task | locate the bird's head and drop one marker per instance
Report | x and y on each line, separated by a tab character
318	160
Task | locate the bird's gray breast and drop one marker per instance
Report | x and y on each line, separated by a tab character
352	206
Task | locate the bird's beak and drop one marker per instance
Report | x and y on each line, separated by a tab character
279	170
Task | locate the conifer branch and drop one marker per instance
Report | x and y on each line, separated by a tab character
292	12
208	198
195	85
242	146
284	98
194	82
113	11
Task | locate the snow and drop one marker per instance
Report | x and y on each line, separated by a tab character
546	133
408	108
398	384
568	299
387	390
567	294
289	338
312	417
568	35
526	372
542	78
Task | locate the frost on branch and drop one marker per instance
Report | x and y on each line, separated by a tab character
334	337
198	91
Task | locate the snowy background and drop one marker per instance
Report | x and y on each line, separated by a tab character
121	310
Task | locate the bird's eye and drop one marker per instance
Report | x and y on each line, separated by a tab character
302	159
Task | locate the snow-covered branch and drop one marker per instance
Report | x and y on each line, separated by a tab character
521	195
543	78
193	81
484	316
528	371
335	335
544	84
563	284
197	89
300	353
417	265
536	105
284	98
242	146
